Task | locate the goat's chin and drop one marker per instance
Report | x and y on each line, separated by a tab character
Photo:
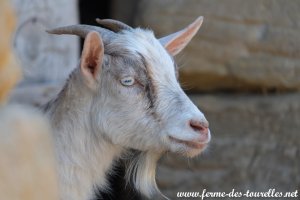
190	152
187	148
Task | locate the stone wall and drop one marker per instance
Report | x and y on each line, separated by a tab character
242	45
255	146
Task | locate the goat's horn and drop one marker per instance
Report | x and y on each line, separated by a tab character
113	25
82	31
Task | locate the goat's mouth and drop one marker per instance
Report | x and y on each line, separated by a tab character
190	144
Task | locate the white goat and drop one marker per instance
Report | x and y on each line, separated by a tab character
124	95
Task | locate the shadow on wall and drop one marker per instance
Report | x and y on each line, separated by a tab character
90	10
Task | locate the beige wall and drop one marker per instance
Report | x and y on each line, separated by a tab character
242	45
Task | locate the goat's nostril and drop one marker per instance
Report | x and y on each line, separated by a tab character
199	126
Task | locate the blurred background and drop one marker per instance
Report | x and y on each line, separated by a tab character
242	69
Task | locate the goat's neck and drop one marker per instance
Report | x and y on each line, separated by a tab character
84	157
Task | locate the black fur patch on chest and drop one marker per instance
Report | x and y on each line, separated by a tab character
118	188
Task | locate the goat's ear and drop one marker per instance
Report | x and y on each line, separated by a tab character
92	57
175	42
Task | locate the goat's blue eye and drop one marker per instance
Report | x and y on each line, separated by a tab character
127	81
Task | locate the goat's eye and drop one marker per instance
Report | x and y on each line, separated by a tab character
127	81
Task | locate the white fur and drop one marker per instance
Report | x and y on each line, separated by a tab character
92	129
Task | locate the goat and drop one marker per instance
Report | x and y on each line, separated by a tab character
124	95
